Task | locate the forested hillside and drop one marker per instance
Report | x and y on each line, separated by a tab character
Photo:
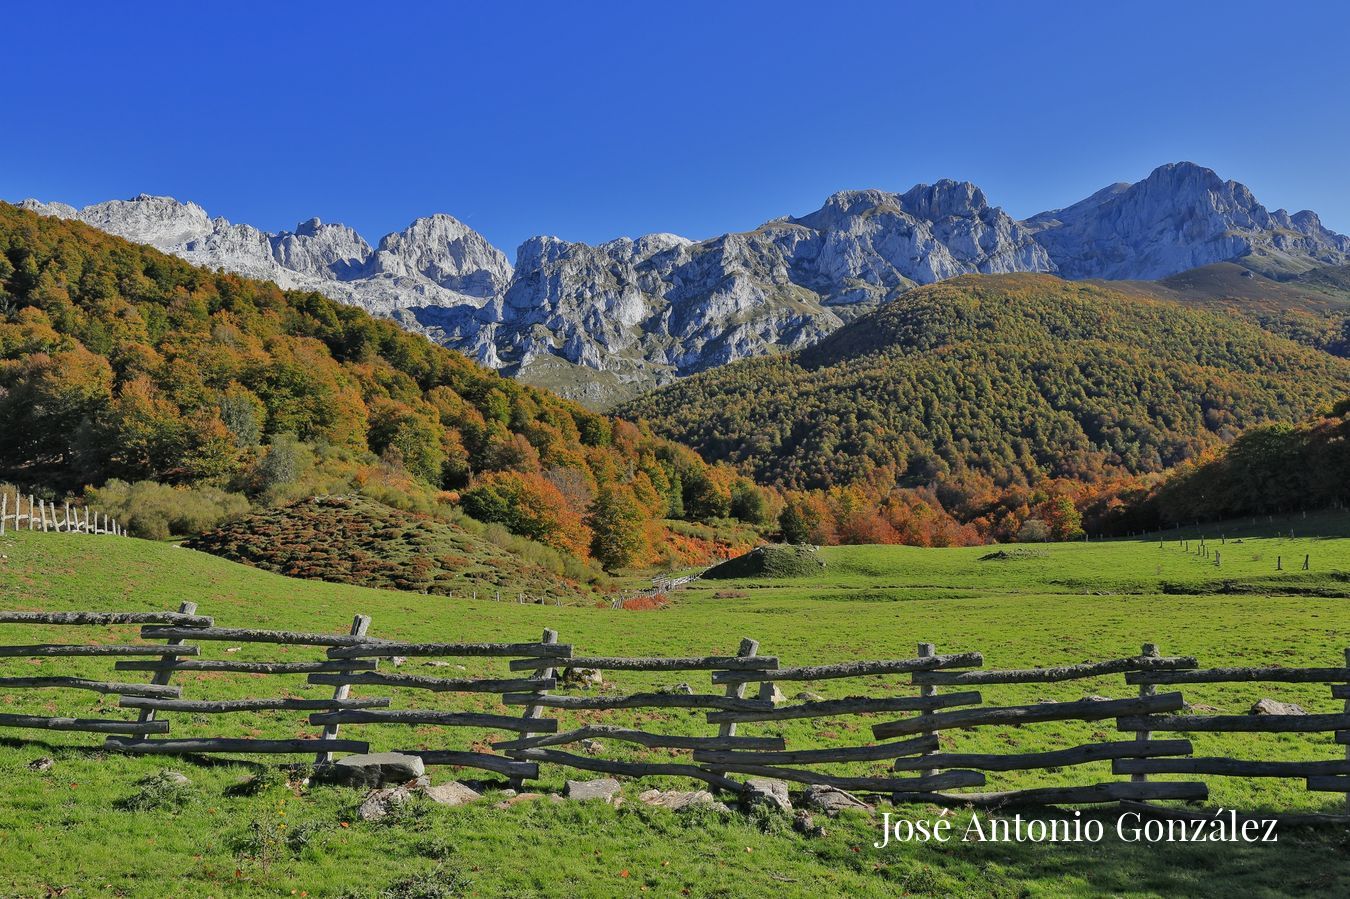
983	382
1271	470
176	388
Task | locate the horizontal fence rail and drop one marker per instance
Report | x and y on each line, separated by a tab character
541	704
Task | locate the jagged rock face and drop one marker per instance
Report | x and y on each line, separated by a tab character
641	312
436	261
1180	217
324	251
676	307
448	252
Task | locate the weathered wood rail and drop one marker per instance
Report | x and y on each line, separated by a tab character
920	763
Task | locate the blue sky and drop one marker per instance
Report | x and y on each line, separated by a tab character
591	120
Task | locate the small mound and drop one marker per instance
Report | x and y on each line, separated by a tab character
1009	555
770	561
355	540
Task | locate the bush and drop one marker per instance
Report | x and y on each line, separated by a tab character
157	511
1033	530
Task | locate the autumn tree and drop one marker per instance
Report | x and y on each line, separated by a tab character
616	522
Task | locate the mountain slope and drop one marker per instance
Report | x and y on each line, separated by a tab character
1271	470
120	362
1311	308
1007	378
601	322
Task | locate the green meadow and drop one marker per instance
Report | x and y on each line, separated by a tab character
89	826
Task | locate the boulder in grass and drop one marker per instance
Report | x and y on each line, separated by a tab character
379	803
766	791
453	793
1275	707
582	677
804	824
605	788
831	800
372	769
680	800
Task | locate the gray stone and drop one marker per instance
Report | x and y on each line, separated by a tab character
678	689
772	693
379	803
766	791
582	677
177	778
831	800
605	788
1275	707
808	696
804	824
680	800
453	793
375	769
41	764
592	747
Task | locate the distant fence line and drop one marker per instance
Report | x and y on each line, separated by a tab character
44	516
921	769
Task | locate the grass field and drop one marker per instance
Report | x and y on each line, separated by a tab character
70	827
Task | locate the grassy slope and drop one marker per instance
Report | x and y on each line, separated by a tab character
1072	603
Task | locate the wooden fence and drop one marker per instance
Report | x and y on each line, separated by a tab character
944	699
42	515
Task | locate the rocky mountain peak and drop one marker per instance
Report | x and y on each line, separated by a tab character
1181	216
945	199
447	251
160	221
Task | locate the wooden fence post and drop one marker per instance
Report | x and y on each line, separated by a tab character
42	513
534	711
360	626
32	504
4	508
748	649
927	650
165	672
1149	650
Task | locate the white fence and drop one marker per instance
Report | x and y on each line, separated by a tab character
42	515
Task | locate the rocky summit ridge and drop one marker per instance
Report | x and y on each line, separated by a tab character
602	322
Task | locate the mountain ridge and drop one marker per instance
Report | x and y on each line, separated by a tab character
645	311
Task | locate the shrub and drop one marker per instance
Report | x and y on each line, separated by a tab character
157	511
1033	530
